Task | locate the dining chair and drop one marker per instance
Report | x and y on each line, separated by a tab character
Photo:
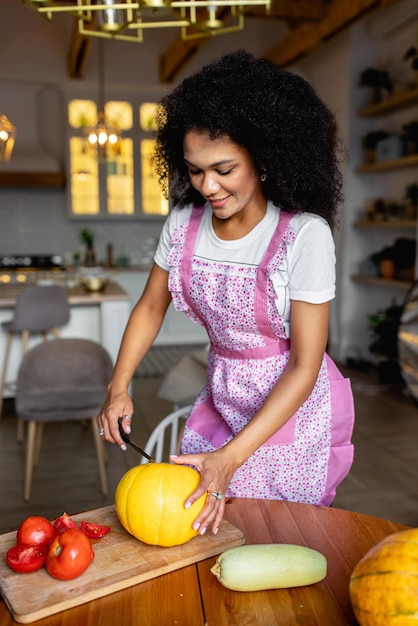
166	435
62	380
39	310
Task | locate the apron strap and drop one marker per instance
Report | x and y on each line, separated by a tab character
261	291
187	256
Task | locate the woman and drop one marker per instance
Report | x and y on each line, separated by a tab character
250	152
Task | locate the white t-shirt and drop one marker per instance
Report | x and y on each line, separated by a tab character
308	272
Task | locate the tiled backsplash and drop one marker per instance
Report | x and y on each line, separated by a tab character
35	221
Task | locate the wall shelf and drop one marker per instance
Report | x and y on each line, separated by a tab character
390	105
382	282
53	180
407	161
387	224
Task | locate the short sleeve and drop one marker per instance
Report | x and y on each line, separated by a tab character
175	219
311	260
164	245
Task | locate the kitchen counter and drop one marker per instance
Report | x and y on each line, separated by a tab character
76	295
98	316
126	282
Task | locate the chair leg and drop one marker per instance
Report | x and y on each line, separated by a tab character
20	423
4	370
38	443
30	454
20	430
100	451
25	341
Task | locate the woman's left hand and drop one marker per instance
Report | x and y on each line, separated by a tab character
215	475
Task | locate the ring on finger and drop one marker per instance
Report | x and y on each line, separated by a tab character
216	495
127	417
101	432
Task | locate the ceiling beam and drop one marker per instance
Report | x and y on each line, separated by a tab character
339	14
78	54
180	52
292	10
177	56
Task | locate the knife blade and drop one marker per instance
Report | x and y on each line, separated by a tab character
126	438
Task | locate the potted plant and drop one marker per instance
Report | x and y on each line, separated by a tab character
384	262
411	194
399	257
369	143
384	326
412	55
378	80
404	252
410	136
87	238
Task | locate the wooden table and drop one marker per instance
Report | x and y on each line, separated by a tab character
192	596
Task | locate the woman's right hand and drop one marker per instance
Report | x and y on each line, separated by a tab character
115	406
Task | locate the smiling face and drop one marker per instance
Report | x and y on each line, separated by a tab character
223	172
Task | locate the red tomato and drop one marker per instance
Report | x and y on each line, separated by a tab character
94	531
25	559
64	522
69	554
35	531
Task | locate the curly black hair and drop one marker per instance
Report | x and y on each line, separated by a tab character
274	114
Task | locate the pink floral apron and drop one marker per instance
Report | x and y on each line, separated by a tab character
306	459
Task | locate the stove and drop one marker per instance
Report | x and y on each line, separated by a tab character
33	261
31	268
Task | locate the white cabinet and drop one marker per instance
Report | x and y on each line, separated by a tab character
103	322
114	316
177	328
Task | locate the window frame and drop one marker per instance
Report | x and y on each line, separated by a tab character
136	134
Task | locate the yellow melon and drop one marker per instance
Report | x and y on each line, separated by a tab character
149	502
384	583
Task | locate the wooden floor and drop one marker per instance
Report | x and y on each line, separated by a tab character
383	480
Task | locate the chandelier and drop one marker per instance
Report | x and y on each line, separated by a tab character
103	138
126	20
7	138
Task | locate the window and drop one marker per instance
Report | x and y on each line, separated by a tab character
124	184
153	200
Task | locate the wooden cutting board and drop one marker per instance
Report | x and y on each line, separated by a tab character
120	561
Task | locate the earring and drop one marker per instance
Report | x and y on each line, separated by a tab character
263	176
